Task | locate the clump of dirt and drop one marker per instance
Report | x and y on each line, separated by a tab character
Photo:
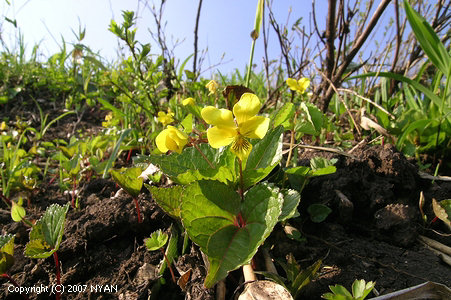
371	234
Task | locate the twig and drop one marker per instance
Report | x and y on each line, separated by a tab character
196	37
436	245
322	149
367	100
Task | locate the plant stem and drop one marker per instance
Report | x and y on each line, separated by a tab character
58	275
241	189
249	68
13	282
138	211
201	153
169	265
248	273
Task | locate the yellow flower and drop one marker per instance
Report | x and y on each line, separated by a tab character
171	139
108	119
165	118
226	130
212	86
3	126
300	85
188	101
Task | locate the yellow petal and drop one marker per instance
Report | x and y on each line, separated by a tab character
171	139
304	83
246	108
161	141
254	128
241	147
188	101
292	84
221	136
220	117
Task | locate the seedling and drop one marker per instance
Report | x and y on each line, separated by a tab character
46	236
360	289
296	277
442	210
129	180
157	241
18	212
7	258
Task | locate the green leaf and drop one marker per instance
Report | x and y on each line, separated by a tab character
318	212
265	155
291	199
428	39
227	231
298	177
340	290
427	92
304	277
6	252
182	67
46	234
129	180
187	123
115	151
157	240
17	211
169	199
417	124
323	171
190	165
311	120
284	115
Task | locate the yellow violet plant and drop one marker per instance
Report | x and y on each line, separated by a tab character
299	86
212	86
226	130
221	194
165	118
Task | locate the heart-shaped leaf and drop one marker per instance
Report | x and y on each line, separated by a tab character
6	252
229	232
129	180
169	199
291	199
46	234
17	211
265	155
191	165
285	115
318	212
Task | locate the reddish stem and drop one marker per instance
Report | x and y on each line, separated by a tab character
58	274
169	265
13	282
129	155
137	210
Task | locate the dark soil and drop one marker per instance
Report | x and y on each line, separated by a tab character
373	236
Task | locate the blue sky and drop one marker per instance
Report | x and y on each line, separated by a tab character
225	26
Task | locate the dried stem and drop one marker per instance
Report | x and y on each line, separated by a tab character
196	28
